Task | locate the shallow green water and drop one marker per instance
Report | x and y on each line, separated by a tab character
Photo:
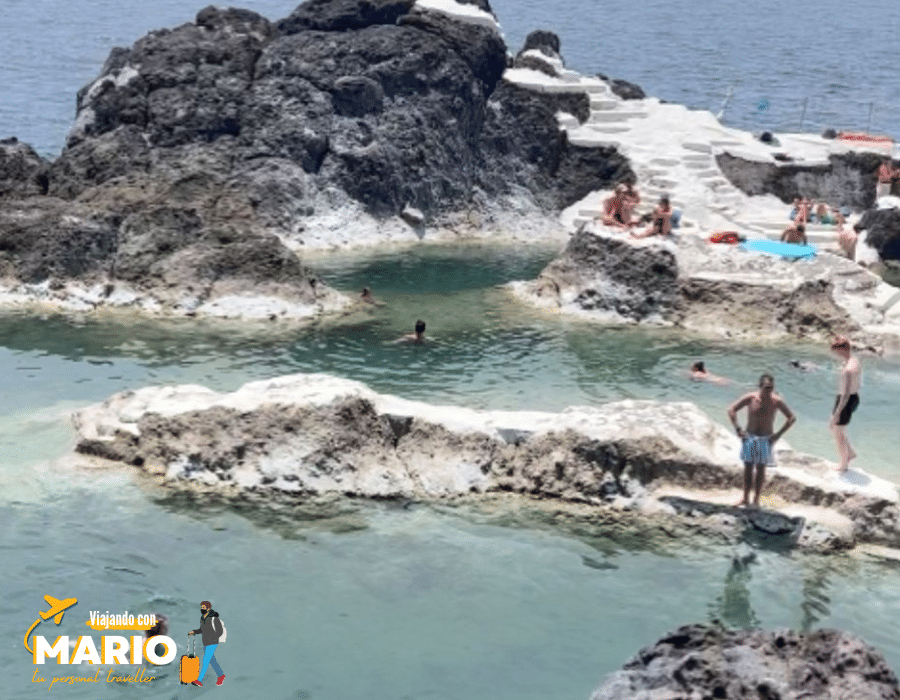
391	602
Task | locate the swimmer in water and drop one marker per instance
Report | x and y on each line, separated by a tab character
417	338
699	374
804	365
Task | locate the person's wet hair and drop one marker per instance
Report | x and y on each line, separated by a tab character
698	366
767	377
841	342
420	326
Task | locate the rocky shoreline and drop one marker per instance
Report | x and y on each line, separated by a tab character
707	661
716	290
306	436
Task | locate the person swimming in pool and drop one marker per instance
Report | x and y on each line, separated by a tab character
417	338
699	373
759	438
846	401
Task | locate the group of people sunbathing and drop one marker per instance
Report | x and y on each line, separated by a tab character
618	212
807	211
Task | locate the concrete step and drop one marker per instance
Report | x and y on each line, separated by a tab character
700	165
608	128
697	157
601	105
709	174
781	225
665	161
614	116
697	147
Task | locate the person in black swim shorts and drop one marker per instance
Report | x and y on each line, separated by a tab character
846	402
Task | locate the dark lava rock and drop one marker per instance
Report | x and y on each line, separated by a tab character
847	180
612	274
623	89
544	41
341	15
235	126
22	171
883	227
703	661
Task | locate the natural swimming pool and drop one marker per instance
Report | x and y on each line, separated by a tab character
387	602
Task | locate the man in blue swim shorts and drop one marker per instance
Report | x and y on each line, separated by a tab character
758	439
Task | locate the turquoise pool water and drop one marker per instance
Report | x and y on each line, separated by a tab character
382	601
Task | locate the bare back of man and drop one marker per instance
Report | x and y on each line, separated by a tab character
760	436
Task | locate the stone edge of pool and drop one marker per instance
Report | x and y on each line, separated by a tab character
307	435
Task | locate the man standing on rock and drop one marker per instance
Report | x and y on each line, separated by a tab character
847	400
886	176
758	438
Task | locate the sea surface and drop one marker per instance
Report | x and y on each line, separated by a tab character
790	66
388	601
384	602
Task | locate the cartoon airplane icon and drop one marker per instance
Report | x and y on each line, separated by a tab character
57	607
56	611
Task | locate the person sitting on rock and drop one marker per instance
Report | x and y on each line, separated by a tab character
823	215
661	223
417	338
800	212
794	234
886	176
615	209
632	199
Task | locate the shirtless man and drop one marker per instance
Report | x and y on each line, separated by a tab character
615	209
847	400
794	234
758	438
886	177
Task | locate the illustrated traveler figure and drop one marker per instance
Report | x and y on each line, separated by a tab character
758	438
846	402
213	630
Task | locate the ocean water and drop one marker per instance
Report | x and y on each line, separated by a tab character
803	65
391	603
387	601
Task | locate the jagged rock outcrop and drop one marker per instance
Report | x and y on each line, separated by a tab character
623	88
848	179
707	661
313	434
708	288
214	149
883	231
22	171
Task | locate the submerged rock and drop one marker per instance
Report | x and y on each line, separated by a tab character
705	661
